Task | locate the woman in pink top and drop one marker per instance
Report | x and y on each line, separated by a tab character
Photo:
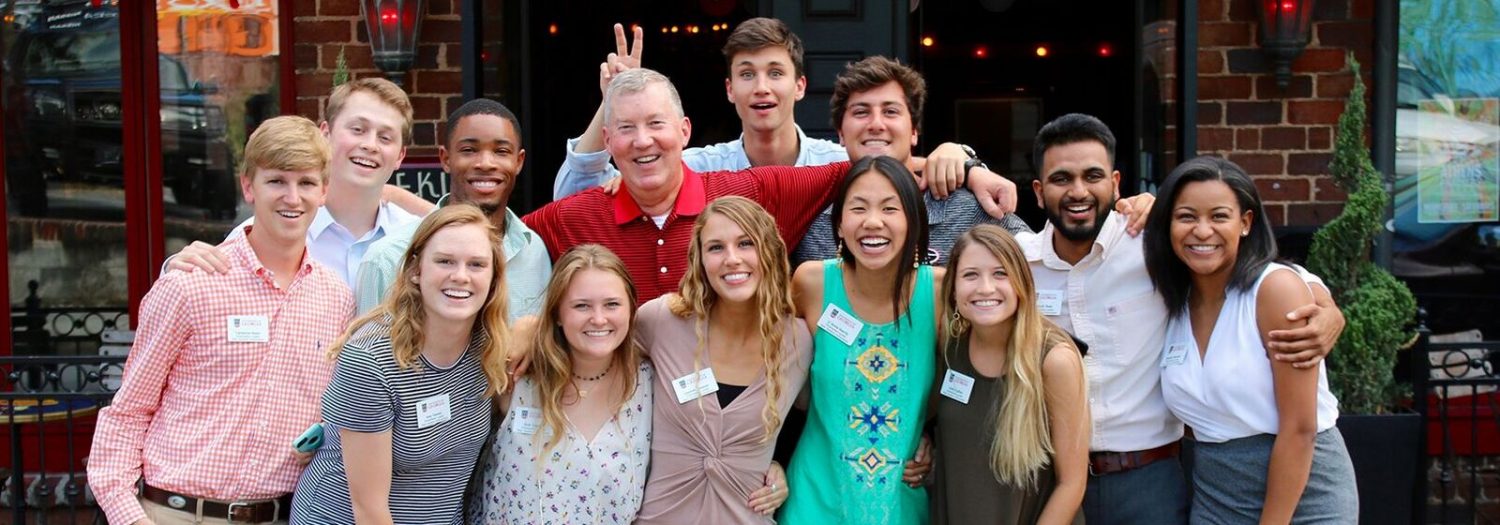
730	357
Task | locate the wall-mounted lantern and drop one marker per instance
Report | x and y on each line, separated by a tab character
1285	28
393	26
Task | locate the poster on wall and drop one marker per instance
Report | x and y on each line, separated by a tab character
1459	178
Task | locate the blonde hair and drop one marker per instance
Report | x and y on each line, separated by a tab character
287	143
402	311
383	90
773	297
553	364
1023	440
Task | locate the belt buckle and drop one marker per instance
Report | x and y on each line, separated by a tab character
232	518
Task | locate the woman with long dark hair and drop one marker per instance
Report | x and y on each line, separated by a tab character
873	314
1267	447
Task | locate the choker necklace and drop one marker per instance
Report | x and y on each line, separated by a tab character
597	377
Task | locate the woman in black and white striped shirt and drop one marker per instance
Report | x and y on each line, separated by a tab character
408	408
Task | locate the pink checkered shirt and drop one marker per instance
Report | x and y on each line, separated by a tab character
206	417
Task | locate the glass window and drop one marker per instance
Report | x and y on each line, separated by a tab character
1447	180
219	66
65	182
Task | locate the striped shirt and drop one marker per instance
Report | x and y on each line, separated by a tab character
200	415
657	257
430	462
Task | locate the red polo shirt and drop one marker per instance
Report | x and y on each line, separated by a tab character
657	257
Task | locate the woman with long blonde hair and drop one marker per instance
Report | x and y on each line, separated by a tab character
408	409
1011	373
575	441
730	357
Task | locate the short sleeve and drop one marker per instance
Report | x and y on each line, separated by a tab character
358	397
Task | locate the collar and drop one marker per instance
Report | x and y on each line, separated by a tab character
243	255
516	234
690	199
1109	235
323	220
802	147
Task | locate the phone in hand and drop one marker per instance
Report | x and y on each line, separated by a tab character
310	440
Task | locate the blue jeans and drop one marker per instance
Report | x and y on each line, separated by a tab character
1156	494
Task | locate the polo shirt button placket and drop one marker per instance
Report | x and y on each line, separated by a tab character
664	269
660	242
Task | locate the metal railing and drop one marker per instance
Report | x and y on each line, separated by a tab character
48	405
1457	387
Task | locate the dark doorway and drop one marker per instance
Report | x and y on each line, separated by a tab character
1011	66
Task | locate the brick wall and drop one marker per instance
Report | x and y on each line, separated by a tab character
1282	137
323	27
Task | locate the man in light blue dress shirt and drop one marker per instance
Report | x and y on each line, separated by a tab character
482	156
765	82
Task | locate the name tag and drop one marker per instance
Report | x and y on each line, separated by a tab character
957	386
249	329
1175	355
525	420
840	323
694	386
433	410
1049	301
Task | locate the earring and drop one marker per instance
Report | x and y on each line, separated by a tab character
1245	233
916	259
414	279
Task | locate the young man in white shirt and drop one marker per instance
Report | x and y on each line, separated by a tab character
766	79
369	126
1090	275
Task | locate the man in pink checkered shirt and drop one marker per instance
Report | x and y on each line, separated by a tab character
227	370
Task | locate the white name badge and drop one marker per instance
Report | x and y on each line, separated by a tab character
957	386
694	386
525	420
249	329
433	410
1049	301
1175	355
840	323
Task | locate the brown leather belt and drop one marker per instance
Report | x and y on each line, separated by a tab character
1101	463
264	511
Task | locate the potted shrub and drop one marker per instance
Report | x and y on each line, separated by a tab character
1378	310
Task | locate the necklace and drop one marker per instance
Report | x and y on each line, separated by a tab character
597	377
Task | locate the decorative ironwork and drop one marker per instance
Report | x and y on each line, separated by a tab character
48	405
1457	391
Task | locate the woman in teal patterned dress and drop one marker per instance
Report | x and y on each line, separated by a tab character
873	319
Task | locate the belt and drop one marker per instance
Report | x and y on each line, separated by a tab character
1101	463
263	511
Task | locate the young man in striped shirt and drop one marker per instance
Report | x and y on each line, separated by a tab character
227	370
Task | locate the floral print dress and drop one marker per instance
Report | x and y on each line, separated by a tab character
578	482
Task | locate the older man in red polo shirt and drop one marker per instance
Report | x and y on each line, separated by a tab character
649	223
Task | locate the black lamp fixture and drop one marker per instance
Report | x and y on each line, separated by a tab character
1285	26
393	26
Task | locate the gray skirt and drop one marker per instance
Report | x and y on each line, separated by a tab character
1229	482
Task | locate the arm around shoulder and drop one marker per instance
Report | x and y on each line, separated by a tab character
1068	424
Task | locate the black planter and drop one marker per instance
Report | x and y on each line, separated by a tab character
1385	450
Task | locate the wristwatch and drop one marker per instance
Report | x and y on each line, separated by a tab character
973	159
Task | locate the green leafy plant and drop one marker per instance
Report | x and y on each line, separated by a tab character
1377	307
340	69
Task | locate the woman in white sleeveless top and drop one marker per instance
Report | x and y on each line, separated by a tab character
1268	450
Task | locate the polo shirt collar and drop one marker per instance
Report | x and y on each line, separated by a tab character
690	199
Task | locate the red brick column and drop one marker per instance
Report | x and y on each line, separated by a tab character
1282	136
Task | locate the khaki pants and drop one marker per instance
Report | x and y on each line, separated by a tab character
164	515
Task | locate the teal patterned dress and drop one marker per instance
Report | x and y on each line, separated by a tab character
866	416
